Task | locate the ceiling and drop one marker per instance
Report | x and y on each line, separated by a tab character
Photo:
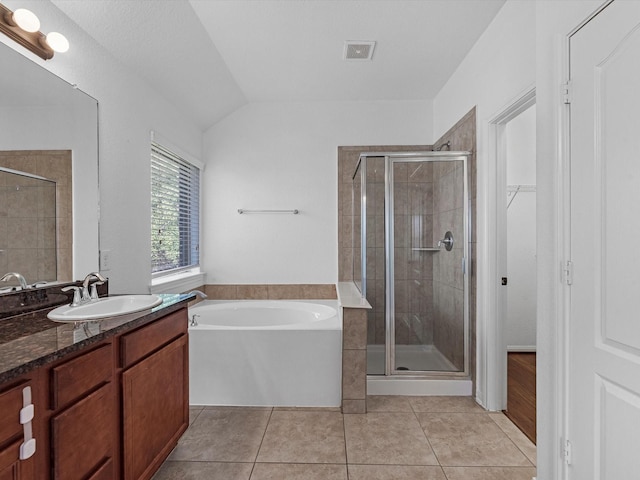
210	57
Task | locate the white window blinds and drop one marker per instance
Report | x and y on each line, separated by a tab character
175	212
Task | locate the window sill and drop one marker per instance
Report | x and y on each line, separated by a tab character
178	283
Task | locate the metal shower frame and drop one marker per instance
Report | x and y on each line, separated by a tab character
390	158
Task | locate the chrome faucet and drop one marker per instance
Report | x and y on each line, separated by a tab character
86	296
198	293
17	276
81	295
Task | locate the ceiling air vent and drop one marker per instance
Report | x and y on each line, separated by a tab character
358	50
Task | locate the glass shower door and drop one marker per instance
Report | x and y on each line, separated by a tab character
426	232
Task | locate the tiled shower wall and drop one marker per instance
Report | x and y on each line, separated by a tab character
413	269
347	161
447	328
448	279
447	336
28	224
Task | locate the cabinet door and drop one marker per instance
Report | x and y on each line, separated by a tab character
83	437
12	434
155	408
9	463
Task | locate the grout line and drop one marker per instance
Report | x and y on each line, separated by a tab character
344	433
426	437
264	434
512	440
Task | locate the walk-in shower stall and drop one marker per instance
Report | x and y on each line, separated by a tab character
411	261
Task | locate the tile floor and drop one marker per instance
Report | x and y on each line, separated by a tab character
400	438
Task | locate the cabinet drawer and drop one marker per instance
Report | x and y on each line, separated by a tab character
9	473
105	472
76	377
84	435
10	406
9	456
138	344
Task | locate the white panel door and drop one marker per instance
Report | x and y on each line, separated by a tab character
604	331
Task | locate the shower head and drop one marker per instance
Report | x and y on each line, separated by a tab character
446	144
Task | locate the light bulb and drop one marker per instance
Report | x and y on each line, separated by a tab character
26	20
57	42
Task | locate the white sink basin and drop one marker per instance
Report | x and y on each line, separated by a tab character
105	307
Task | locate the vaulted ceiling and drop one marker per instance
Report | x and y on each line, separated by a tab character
210	57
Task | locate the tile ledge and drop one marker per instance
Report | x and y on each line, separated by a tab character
349	296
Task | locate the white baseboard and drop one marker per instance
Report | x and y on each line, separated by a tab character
521	348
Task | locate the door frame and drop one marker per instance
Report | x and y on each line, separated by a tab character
562	373
494	347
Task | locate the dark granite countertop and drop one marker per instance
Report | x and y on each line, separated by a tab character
31	340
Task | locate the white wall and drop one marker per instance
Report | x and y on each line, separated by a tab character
128	110
284	156
520	328
499	66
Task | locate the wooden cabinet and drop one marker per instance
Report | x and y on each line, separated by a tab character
114	410
154	395
83	437
12	432
83	423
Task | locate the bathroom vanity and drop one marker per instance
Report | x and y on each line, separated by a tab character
110	398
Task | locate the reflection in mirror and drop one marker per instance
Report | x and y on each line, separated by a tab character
35	236
49	128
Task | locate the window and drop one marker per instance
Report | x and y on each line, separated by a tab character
175	212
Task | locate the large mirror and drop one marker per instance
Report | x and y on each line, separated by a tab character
48	128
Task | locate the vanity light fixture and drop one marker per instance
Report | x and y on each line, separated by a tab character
26	20
23	27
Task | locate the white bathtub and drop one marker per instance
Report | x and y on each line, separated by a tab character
266	353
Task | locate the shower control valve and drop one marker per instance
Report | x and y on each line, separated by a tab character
446	242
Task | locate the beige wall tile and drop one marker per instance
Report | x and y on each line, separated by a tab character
318	291
221	292
252	292
284	292
354	374
354	334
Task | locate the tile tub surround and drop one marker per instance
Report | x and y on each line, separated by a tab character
354	320
404	438
354	348
270	292
54	165
354	360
